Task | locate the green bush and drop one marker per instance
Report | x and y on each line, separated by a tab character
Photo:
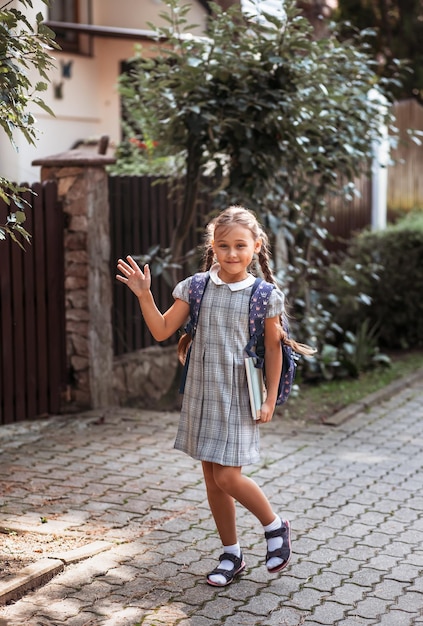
381	280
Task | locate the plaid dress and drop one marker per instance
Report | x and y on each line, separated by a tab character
216	423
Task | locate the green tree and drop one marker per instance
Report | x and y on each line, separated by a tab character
399	27
22	47
281	119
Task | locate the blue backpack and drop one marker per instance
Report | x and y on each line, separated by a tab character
259	299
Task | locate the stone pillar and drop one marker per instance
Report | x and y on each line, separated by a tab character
83	189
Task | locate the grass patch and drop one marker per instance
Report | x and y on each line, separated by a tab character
318	401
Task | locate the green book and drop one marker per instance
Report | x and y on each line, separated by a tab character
256	387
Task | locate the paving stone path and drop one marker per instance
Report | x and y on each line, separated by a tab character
353	494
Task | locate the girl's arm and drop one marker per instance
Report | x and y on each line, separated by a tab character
161	326
273	364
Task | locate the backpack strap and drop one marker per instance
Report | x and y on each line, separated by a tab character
196	292
259	299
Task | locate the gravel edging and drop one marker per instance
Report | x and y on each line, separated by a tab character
42	571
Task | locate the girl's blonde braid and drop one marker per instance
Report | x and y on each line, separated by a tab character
208	258
264	259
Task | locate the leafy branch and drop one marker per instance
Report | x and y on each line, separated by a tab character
23	47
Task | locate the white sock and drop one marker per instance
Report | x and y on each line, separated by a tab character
274	542
225	564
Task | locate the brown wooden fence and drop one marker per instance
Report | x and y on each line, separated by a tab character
32	318
405	184
142	214
347	217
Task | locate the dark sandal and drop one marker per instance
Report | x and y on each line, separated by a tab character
229	575
284	552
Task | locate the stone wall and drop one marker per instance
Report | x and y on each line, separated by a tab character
143	377
83	191
97	378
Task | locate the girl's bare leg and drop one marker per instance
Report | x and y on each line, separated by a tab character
232	482
224	486
222	506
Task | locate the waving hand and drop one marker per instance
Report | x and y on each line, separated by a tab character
133	277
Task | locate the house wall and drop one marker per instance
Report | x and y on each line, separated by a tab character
89	104
138	14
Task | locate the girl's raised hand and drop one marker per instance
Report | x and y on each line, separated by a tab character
137	280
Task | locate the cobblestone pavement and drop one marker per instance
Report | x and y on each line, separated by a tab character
353	494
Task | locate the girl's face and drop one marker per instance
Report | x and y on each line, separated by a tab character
234	247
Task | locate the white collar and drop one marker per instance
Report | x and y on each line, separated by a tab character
242	284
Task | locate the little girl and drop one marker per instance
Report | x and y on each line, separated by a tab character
216	425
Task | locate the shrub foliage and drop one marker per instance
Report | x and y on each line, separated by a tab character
381	280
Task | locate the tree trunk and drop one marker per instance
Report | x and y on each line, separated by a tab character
189	202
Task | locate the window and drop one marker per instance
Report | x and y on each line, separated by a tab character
71	12
65	11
